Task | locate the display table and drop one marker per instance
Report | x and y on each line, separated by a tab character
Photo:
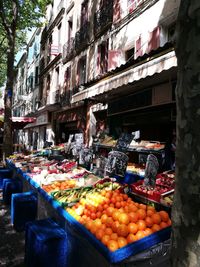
84	249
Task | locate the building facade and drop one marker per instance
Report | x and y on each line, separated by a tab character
106	63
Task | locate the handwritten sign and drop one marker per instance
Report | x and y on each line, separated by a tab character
151	171
124	142
116	163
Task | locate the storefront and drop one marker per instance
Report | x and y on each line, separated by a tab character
69	122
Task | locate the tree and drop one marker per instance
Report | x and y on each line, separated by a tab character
16	16
186	214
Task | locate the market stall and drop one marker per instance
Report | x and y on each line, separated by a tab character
97	215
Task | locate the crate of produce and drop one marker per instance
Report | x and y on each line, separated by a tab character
150	193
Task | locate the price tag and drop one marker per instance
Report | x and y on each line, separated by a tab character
124	142
151	171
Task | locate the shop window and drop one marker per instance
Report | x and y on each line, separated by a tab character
129	54
84	13
81	71
102	58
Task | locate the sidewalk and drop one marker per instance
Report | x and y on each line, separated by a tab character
11	242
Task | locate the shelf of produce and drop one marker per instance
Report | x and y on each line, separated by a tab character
83	242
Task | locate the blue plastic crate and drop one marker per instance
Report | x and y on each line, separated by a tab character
5	173
45	244
11	186
23	209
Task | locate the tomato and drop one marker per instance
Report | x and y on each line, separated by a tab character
131	238
104	218
132	228
141	225
122	230
115	215
105	239
133	217
110	211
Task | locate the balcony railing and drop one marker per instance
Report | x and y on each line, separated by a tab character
82	37
68	50
65	98
103	18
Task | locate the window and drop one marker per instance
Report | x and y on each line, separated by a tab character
102	58
84	13
171	33
57	78
81	71
70	26
67	79
129	54
36	75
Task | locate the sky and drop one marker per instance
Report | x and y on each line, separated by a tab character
20	53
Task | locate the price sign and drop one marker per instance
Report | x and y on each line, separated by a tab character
123	142
151	171
116	163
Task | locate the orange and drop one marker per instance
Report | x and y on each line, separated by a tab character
98	223
93	228
115	226
156	218
110	211
169	222
108	231
122	242
104	218
125	197
124	218
132	228
88	225
155	227
149	221
113	236
150	212
105	239
103	226
148	231
122	230
140	234
133	217
132	207
141	225
143	206
99	234
118	204
131	238
141	214
108	194
112	245
109	222
163	225
115	215
164	216
151	208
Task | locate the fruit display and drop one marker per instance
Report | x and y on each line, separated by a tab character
115	219
67	197
137	169
59	185
146	145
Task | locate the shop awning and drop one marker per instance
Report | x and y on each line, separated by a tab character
134	73
18	122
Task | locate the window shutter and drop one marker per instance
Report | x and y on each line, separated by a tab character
138	48
116	10
154	39
98	69
114	59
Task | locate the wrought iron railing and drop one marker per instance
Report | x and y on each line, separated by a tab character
68	49
103	18
82	37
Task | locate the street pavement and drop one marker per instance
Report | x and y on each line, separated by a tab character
11	242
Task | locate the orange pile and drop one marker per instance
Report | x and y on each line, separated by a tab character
59	185
118	220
